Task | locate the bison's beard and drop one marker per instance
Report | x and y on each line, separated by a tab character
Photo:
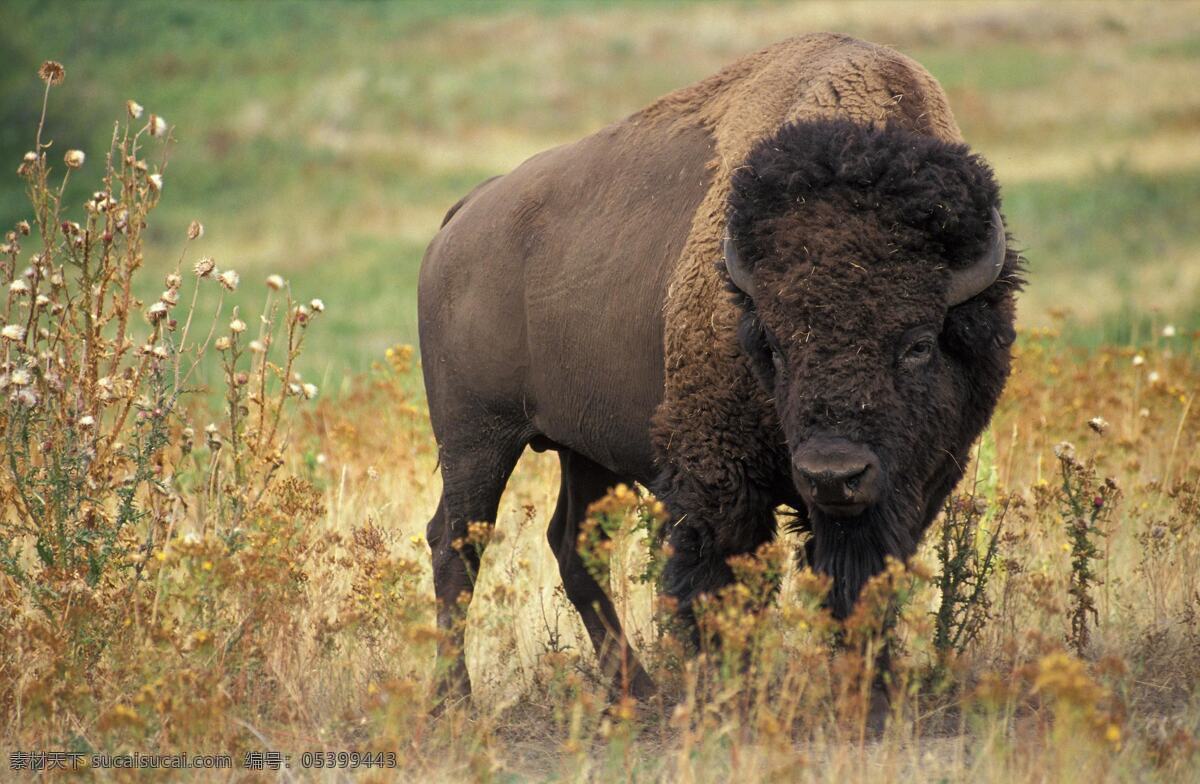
853	550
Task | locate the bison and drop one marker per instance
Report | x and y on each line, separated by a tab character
787	284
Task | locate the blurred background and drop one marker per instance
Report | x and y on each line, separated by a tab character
324	141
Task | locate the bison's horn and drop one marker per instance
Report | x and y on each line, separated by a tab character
966	283
737	273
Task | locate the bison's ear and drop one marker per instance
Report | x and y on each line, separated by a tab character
978	327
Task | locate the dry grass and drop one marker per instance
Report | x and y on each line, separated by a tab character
1137	671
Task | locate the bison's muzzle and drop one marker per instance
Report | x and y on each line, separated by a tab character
837	476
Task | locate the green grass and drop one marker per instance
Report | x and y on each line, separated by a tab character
1113	227
1001	66
324	141
1186	47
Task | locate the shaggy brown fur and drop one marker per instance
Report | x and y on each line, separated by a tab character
706	389
576	304
851	232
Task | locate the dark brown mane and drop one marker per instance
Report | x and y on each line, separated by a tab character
938	190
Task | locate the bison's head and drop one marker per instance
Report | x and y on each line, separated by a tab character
877	294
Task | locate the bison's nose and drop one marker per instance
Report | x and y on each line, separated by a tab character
839	477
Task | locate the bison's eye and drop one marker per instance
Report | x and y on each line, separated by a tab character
917	351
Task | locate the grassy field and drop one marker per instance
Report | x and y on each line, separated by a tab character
323	142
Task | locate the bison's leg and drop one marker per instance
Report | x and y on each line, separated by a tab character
707	535
582	483
473	478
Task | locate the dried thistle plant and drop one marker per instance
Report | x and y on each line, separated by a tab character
966	552
1085	504
101	514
